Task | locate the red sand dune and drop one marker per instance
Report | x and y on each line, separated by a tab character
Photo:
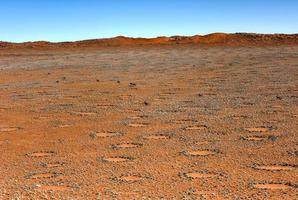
217	39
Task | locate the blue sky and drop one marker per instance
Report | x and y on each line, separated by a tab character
68	20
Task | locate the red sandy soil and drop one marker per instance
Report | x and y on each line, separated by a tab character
149	122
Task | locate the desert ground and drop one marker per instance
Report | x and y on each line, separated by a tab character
156	122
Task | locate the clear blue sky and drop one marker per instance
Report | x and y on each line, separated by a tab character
68	20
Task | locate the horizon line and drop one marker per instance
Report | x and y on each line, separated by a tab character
140	37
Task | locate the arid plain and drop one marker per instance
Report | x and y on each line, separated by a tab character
149	122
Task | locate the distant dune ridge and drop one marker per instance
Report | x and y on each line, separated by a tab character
215	39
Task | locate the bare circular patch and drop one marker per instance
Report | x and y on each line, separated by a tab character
275	167
42	154
260	137
255	138
137	125
53	165
8	129
85	113
272	186
42	175
131	178
138	117
64	126
107	134
183	121
52	188
237	117
198	175
117	159
257	129
127	145
157	137
196	128
135	117
200	153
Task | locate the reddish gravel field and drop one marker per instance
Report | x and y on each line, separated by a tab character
155	122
